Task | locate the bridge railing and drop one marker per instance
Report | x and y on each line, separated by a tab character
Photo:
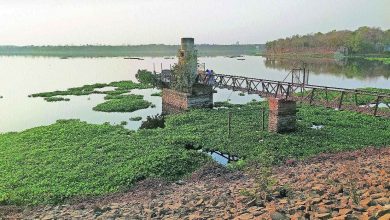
372	102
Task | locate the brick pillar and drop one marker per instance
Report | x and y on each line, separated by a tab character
282	115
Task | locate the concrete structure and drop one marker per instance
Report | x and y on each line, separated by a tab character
282	115
183	91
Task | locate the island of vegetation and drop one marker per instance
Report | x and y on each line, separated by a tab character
116	100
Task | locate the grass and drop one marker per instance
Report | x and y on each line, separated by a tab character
70	158
56	99
123	103
136	118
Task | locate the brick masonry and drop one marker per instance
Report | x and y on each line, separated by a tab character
282	115
175	101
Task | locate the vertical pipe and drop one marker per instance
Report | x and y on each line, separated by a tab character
376	105
356	101
312	95
263	120
341	99
326	95
229	123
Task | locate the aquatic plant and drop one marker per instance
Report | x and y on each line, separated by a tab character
136	118
121	87
50	164
146	77
152	122
156	94
123	103
56	99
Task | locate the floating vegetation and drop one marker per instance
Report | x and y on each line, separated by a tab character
83	159
241	94
133	58
145	77
56	99
79	159
156	94
152	122
136	118
121	87
123	123
123	103
153	106
108	97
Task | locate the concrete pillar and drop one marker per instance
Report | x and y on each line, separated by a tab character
282	115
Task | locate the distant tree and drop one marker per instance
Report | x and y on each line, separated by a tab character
363	40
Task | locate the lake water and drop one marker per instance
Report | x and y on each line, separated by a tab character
22	76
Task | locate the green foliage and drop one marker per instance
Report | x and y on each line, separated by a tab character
136	118
156	94
123	123
385	60
343	130
361	41
152	122
133	96
78	91
56	99
117	102
123	103
129	85
146	77
70	158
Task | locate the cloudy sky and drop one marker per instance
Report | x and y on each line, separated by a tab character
60	22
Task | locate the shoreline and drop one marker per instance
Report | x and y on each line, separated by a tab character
318	187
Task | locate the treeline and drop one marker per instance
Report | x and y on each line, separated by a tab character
361	41
128	50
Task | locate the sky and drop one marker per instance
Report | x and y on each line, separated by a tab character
119	22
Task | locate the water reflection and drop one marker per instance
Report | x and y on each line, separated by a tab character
349	67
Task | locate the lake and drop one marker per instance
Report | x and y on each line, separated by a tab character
22	76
